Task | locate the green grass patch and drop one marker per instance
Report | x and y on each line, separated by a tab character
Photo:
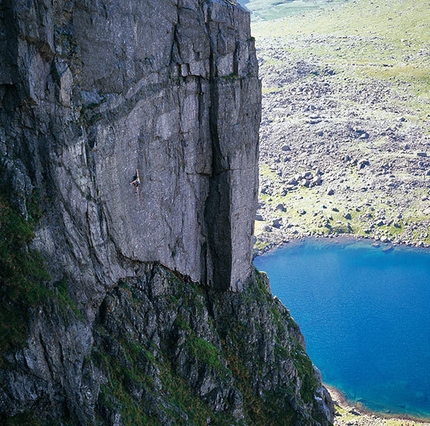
401	21
384	40
22	276
264	10
208	354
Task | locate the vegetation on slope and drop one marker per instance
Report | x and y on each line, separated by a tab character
344	146
24	280
189	356
22	275
263	10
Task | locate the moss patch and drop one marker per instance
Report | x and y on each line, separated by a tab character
22	276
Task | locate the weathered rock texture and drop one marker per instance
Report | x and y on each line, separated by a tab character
94	90
121	334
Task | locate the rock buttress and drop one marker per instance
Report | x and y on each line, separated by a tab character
92	91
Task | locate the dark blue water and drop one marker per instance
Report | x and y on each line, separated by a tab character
365	315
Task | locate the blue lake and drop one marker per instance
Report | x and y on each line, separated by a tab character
365	315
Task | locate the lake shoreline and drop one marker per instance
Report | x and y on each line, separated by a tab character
337	238
348	412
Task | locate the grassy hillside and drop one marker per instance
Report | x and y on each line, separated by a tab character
394	38
263	10
346	106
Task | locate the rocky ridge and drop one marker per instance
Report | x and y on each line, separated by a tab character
164	350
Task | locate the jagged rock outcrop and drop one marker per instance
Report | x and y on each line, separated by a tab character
151	313
164	350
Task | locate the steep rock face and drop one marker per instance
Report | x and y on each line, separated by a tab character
93	90
90	91
164	350
241	353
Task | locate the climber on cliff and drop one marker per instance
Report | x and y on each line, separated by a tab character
136	182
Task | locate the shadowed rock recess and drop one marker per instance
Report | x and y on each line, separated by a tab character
120	308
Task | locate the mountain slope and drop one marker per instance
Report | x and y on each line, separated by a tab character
344	136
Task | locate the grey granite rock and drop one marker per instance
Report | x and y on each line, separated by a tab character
144	285
102	89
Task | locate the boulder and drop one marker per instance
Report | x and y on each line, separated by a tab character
281	207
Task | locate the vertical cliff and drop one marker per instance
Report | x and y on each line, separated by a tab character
97	89
119	332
